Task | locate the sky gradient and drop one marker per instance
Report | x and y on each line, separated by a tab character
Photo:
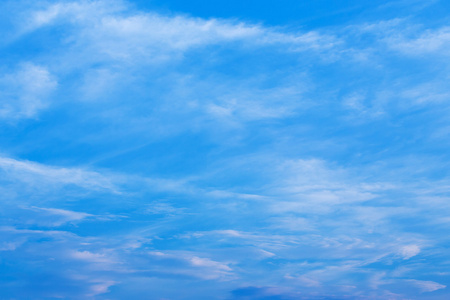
225	149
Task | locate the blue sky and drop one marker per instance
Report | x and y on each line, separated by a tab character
224	149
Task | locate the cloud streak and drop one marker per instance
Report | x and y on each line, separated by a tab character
35	174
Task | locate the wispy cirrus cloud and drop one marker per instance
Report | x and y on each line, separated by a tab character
55	216
428	41
115	31
427	286
25	91
36	174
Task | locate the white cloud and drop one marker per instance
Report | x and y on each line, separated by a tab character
107	40
428	93
208	269
250	104
409	251
113	30
292	223
190	263
229	232
92	257
14	230
208	263
25	91
163	208
67	214
49	13
314	186
98	287
35	173
55	216
10	246
400	34
435	41
304	281
427	286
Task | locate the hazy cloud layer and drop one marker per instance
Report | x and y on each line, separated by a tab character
158	150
